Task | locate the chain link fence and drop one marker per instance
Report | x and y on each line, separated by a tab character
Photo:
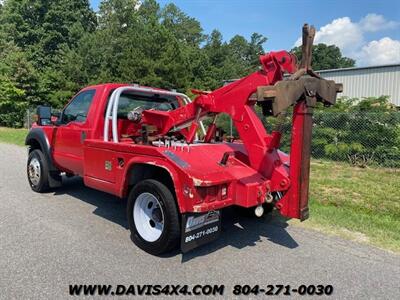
30	117
359	138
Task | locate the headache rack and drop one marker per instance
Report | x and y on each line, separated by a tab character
112	107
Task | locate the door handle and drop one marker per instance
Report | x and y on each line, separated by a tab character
83	136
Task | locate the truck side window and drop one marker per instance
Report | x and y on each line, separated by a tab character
78	108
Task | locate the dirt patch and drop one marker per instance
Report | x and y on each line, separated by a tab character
355	235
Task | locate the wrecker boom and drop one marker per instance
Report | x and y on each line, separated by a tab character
275	95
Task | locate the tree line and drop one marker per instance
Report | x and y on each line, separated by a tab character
50	49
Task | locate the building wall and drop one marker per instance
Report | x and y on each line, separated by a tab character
368	81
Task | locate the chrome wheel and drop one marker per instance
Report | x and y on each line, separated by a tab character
148	216
34	171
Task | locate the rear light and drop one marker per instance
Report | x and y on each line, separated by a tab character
211	193
224	191
187	191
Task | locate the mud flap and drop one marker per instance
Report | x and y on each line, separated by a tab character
199	229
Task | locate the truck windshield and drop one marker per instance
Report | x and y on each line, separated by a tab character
130	101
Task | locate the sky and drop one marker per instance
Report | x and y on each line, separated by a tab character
365	30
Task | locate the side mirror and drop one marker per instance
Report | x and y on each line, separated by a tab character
56	118
56	115
44	115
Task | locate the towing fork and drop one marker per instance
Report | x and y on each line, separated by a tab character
303	90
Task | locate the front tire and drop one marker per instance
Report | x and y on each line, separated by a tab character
38	171
153	217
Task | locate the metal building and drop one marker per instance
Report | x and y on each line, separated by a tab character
368	81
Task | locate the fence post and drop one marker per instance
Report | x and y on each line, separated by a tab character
28	119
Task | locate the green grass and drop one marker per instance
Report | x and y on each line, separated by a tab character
359	203
13	136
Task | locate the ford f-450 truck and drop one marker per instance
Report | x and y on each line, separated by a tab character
151	146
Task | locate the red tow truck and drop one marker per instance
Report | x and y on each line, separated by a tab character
151	146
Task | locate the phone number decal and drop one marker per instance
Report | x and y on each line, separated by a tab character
285	290
200	234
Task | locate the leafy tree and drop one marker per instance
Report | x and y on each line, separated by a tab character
41	30
246	54
216	49
42	27
256	48
186	29
18	84
326	57
234	59
51	49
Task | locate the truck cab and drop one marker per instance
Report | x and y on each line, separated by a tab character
83	119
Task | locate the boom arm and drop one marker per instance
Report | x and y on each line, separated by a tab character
234	100
275	95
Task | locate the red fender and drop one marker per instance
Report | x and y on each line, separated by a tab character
160	163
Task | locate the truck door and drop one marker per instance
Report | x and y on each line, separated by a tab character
72	131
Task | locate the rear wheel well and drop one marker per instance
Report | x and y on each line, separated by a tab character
140	172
